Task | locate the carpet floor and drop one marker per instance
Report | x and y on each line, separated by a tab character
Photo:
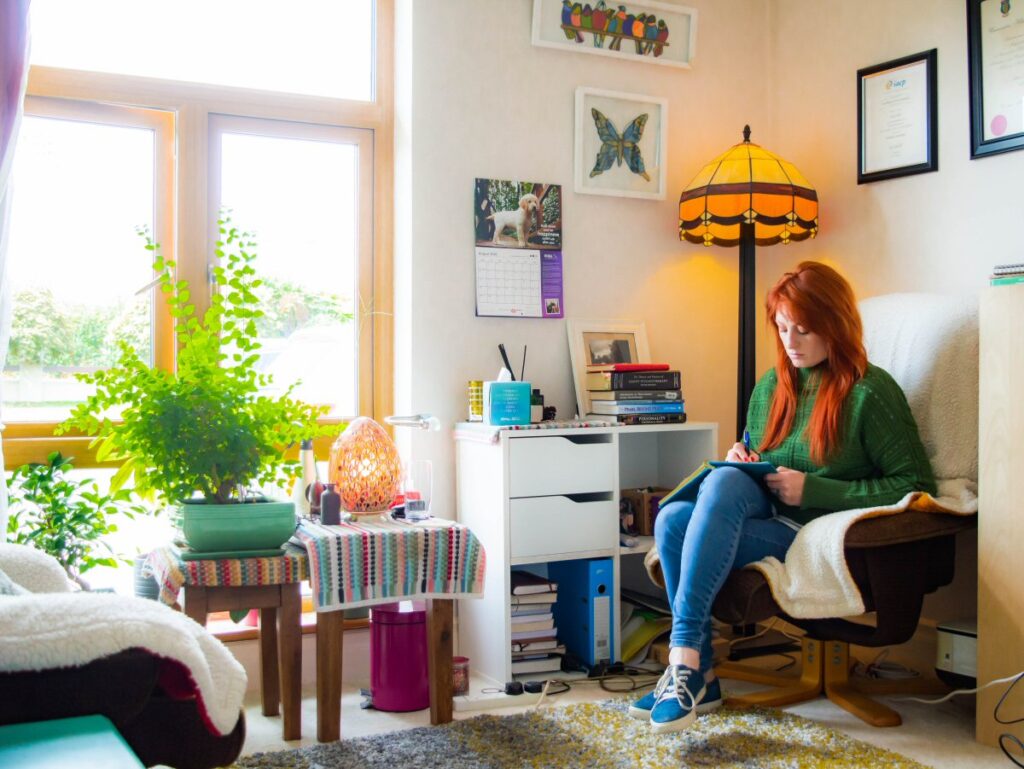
598	735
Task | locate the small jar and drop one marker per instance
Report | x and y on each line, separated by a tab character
536	407
460	675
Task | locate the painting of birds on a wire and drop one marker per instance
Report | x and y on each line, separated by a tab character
637	30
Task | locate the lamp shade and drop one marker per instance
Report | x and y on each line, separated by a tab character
747	184
366	467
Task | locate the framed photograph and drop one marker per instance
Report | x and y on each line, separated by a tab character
635	30
897	118
995	56
593	342
621	144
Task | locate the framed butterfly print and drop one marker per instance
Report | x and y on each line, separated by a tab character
620	144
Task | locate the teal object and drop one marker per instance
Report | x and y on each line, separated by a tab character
507	403
86	741
212	528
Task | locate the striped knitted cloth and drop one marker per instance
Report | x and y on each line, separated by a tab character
370	560
171	572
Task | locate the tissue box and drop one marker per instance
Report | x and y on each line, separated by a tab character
507	403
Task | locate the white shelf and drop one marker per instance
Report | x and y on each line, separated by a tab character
643	544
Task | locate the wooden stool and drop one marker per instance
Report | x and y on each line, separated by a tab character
280	640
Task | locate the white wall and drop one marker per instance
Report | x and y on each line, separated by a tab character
476	99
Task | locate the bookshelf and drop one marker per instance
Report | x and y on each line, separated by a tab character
535	497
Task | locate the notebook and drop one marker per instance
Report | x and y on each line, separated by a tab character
687	489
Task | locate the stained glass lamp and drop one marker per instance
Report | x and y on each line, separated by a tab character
366	467
747	196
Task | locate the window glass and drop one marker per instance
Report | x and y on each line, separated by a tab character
299	199
74	259
313	47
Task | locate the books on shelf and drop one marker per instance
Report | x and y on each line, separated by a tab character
533	599
547	664
633	380
522	619
637	396
541	645
528	583
531	609
627	367
529	623
641	419
615	408
525	636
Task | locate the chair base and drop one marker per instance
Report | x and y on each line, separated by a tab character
825	670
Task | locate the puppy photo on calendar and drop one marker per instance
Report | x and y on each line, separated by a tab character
513	214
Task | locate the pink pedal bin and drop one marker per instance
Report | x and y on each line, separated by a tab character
399	680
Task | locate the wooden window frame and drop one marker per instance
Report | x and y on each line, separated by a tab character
186	196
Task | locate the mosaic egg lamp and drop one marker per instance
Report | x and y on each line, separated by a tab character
366	468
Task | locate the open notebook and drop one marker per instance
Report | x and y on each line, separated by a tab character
687	489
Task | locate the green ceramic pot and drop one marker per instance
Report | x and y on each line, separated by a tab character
212	528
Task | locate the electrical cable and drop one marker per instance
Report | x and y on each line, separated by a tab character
1006	737
1015	677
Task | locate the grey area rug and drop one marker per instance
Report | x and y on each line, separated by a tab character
596	736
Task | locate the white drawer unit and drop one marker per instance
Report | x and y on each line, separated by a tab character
540	496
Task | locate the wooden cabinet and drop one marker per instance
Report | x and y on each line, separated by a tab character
539	496
1000	505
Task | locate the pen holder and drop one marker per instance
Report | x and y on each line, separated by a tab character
507	403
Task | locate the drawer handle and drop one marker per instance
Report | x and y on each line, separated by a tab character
590	496
581	440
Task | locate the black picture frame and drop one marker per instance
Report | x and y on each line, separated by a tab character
928	133
980	146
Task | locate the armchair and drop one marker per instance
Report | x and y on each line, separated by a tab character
138	663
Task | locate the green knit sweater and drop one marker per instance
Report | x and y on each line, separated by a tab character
880	457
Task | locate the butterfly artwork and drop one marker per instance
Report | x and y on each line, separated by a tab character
615	148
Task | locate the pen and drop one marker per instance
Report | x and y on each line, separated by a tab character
522	369
746	440
504	357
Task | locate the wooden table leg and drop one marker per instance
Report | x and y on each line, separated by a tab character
439	658
196	603
329	634
289	649
270	671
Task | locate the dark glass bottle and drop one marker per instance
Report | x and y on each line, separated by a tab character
330	506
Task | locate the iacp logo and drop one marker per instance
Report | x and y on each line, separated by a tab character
891	84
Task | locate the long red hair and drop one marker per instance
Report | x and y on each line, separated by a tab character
820	300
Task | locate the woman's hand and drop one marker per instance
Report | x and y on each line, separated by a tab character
787	485
739	453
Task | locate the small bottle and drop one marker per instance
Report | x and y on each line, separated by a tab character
536	407
330	506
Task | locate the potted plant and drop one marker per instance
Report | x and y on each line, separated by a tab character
204	428
69	518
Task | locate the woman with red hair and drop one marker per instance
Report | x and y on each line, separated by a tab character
840	432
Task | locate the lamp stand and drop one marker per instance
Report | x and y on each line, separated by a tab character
745	370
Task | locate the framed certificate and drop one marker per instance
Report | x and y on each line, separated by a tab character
995	49
897	123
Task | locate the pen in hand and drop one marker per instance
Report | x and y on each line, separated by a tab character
746	444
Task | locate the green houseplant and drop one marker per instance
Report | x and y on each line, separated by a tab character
204	427
69	518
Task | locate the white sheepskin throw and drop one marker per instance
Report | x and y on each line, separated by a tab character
33	569
41	632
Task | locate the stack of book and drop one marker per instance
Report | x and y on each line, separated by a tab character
635	393
1004	274
535	647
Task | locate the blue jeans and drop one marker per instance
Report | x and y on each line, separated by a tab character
730	525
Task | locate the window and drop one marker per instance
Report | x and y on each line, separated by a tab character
125	130
308	174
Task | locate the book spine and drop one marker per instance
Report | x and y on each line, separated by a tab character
643	396
1006	280
646	419
610	407
640	380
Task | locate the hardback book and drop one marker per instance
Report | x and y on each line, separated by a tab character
532	599
524	636
518	620
548	642
531	609
687	488
542	665
606	407
634	380
530	624
627	367
528	583
641	419
641	396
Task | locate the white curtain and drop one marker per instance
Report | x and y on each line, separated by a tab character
13	78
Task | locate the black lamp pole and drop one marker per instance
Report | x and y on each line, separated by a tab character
745	370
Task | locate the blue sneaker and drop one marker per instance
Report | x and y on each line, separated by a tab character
712	699
676	699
